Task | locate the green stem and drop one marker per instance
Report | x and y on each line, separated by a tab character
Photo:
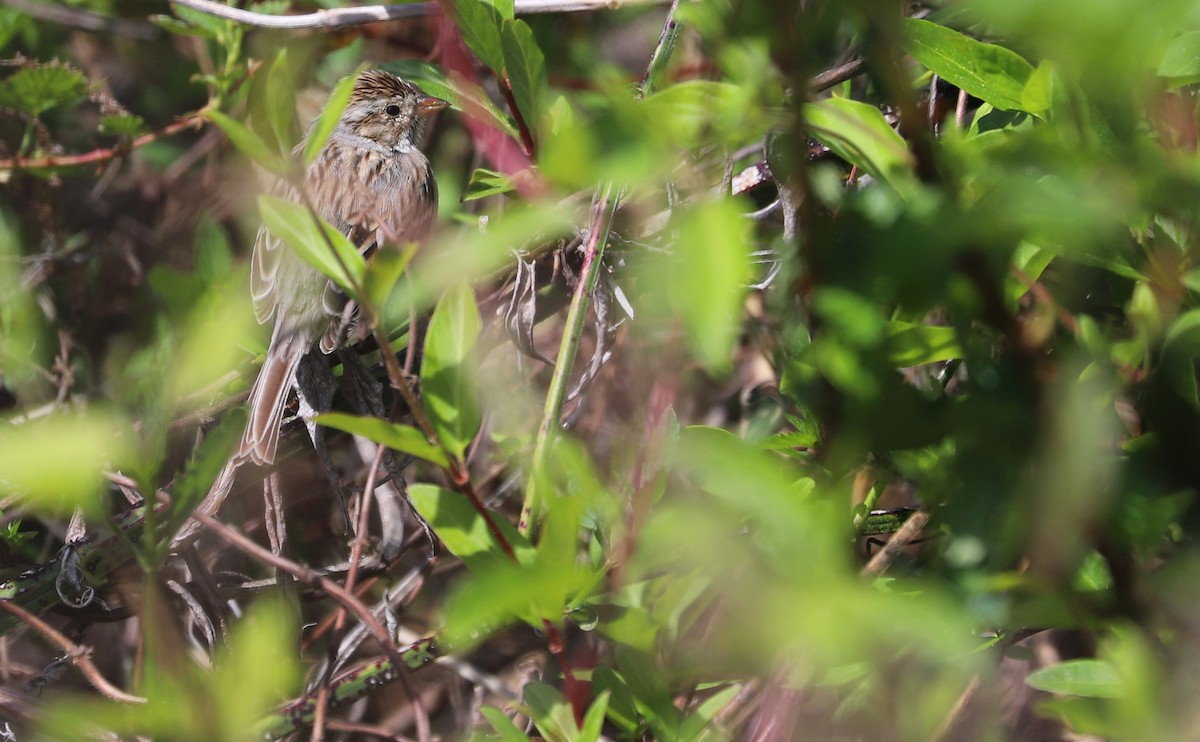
601	222
657	68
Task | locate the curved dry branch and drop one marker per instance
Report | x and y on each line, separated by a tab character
343	17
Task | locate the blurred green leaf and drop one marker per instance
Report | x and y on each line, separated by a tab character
318	135
708	279
126	125
503	725
550	712
37	89
279	104
910	344
258	670
447	371
859	134
486	183
1182	57
526	68
403	438
1092	678
297	226
56	463
247	142
385	270
621	708
989	72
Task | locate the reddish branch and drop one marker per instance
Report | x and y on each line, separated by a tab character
101	155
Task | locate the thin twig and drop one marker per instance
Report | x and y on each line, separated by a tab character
343	17
79	656
194	120
308	576
897	543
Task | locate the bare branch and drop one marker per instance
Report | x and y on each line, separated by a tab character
79	656
342	17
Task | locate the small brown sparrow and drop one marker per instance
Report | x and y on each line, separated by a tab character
371	182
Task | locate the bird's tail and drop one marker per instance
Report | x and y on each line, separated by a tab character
268	398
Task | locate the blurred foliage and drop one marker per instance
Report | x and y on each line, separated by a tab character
956	280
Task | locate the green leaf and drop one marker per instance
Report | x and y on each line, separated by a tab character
622	710
318	135
485	183
479	22
256	670
124	125
294	224
709	278
211	25
914	344
650	692
176	26
1182	57
35	90
280	101
463	530
503	725
56	463
859	134
593	720
989	72
550	711
448	372
1090	678
247	142
526	68
403	438
385	270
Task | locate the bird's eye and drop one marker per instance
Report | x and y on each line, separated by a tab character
393	110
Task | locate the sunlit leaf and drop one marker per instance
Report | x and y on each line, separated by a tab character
248	142
526	68
56	463
503	725
318	135
912	344
858	133
258	670
486	183
987	71
325	249
1182	57
385	270
448	373
1092	678
403	438
479	22
462	529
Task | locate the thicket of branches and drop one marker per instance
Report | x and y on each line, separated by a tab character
819	370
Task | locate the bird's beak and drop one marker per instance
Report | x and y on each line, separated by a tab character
429	105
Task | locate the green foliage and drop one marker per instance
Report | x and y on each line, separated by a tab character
35	90
448	372
989	72
315	241
989	315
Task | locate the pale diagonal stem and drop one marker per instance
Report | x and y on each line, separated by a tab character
601	222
